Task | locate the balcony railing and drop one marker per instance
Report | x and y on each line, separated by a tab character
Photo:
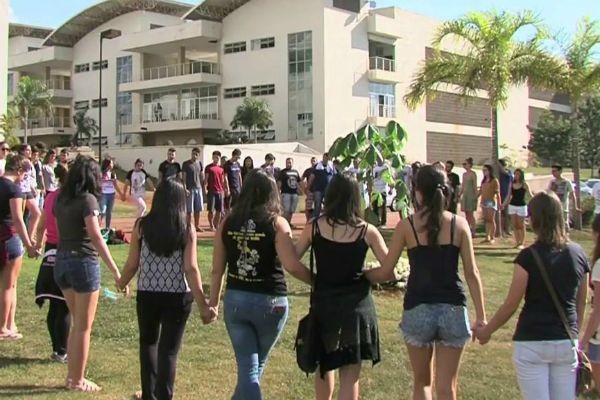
189	109
382	64
58	84
382	111
51	122
169	71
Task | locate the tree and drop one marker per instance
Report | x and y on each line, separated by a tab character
252	115
579	76
9	122
32	98
85	126
551	140
589	124
494	61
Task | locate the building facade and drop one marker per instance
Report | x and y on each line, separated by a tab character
3	54
175	74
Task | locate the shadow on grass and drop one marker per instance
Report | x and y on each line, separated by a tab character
13	361
28	390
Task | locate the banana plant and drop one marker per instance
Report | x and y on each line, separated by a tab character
372	145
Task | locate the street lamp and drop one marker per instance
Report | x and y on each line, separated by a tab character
107	34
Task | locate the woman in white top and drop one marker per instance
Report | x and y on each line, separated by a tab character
50	181
109	190
135	185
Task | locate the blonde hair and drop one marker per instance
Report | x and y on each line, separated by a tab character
547	219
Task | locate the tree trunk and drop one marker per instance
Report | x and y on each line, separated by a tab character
577	223
26	125
495	141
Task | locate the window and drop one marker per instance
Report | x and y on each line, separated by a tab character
82	105
350	5
82	68
232	93
262	90
300	86
236	47
124	69
95	103
124	109
11	83
265	43
96	65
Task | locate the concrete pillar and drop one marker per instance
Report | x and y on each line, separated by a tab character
47	74
181	60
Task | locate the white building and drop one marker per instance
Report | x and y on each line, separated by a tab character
177	72
3	53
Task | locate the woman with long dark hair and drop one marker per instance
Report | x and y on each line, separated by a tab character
343	307
516	202
109	190
435	318
13	235
163	249
58	319
543	355
247	166
77	268
468	194
254	244
490	202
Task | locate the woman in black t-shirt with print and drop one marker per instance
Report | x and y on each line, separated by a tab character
543	355
254	245
13	234
77	268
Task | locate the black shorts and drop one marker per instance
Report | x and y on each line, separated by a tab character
29	196
214	201
233	197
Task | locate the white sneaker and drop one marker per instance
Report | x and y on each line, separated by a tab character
59	358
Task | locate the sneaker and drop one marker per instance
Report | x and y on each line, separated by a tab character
59	358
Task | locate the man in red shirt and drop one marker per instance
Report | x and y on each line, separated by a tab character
215	188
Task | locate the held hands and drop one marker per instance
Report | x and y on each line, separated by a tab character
208	314
121	287
481	332
33	252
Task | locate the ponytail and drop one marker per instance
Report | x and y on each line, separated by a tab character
435	209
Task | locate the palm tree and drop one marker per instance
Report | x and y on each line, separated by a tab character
85	126
8	125
579	77
495	59
32	97
252	114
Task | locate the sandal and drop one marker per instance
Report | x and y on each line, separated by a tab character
9	336
85	386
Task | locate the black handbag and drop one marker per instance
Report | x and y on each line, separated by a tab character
584	367
306	345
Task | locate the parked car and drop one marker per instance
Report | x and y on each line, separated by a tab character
588	187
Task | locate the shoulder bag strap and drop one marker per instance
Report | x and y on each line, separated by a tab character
553	294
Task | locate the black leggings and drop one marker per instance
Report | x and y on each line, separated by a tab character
161	318
59	322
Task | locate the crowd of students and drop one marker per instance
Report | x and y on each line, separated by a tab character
253	246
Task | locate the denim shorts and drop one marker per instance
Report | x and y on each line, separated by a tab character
77	271
194	201
443	324
489	204
593	353
14	247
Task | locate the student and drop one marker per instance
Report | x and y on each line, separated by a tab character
28	186
254	244
110	188
543	355
4	153
58	319
321	175
63	158
13	235
288	182
505	179
468	194
563	188
50	180
163	249
77	268
233	170
435	319
169	169
215	190
516	203
490	202
39	179
135	185
247	167
269	165
193	182
343	307
454	183
379	205
309	203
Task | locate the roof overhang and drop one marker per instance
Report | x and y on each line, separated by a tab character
89	19
214	9
37	32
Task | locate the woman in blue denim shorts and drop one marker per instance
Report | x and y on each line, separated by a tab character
77	268
254	243
13	234
490	202
435	316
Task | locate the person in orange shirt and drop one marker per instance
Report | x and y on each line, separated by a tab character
490	202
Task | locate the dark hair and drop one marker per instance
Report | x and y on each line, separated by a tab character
520	171
596	230
557	167
64	151
216	153
251	162
165	228
22	147
343	201
50	153
35	149
105	164
491	175
60	172
502	162
547	219
14	163
84	177
450	162
259	198
171	150
138	161
469	161
269	156
431	183
236	152
195	150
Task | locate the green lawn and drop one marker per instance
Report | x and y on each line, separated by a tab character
206	364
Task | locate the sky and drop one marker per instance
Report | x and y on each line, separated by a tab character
560	15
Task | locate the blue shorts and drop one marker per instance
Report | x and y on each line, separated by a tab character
429	324
14	247
194	201
73	270
593	353
489	204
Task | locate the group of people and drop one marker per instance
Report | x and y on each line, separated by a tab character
253	247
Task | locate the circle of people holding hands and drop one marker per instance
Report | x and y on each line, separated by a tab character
251	211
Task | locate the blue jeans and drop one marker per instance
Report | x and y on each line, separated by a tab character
254	322
106	208
318	199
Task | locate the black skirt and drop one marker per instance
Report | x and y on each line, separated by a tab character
45	286
346	323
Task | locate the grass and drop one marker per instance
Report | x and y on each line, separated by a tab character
206	367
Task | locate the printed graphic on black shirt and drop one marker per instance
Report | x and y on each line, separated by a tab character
249	258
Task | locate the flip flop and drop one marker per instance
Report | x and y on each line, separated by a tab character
11	336
85	386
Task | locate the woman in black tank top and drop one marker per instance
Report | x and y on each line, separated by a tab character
435	318
516	202
341	302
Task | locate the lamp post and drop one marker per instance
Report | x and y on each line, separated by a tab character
107	34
